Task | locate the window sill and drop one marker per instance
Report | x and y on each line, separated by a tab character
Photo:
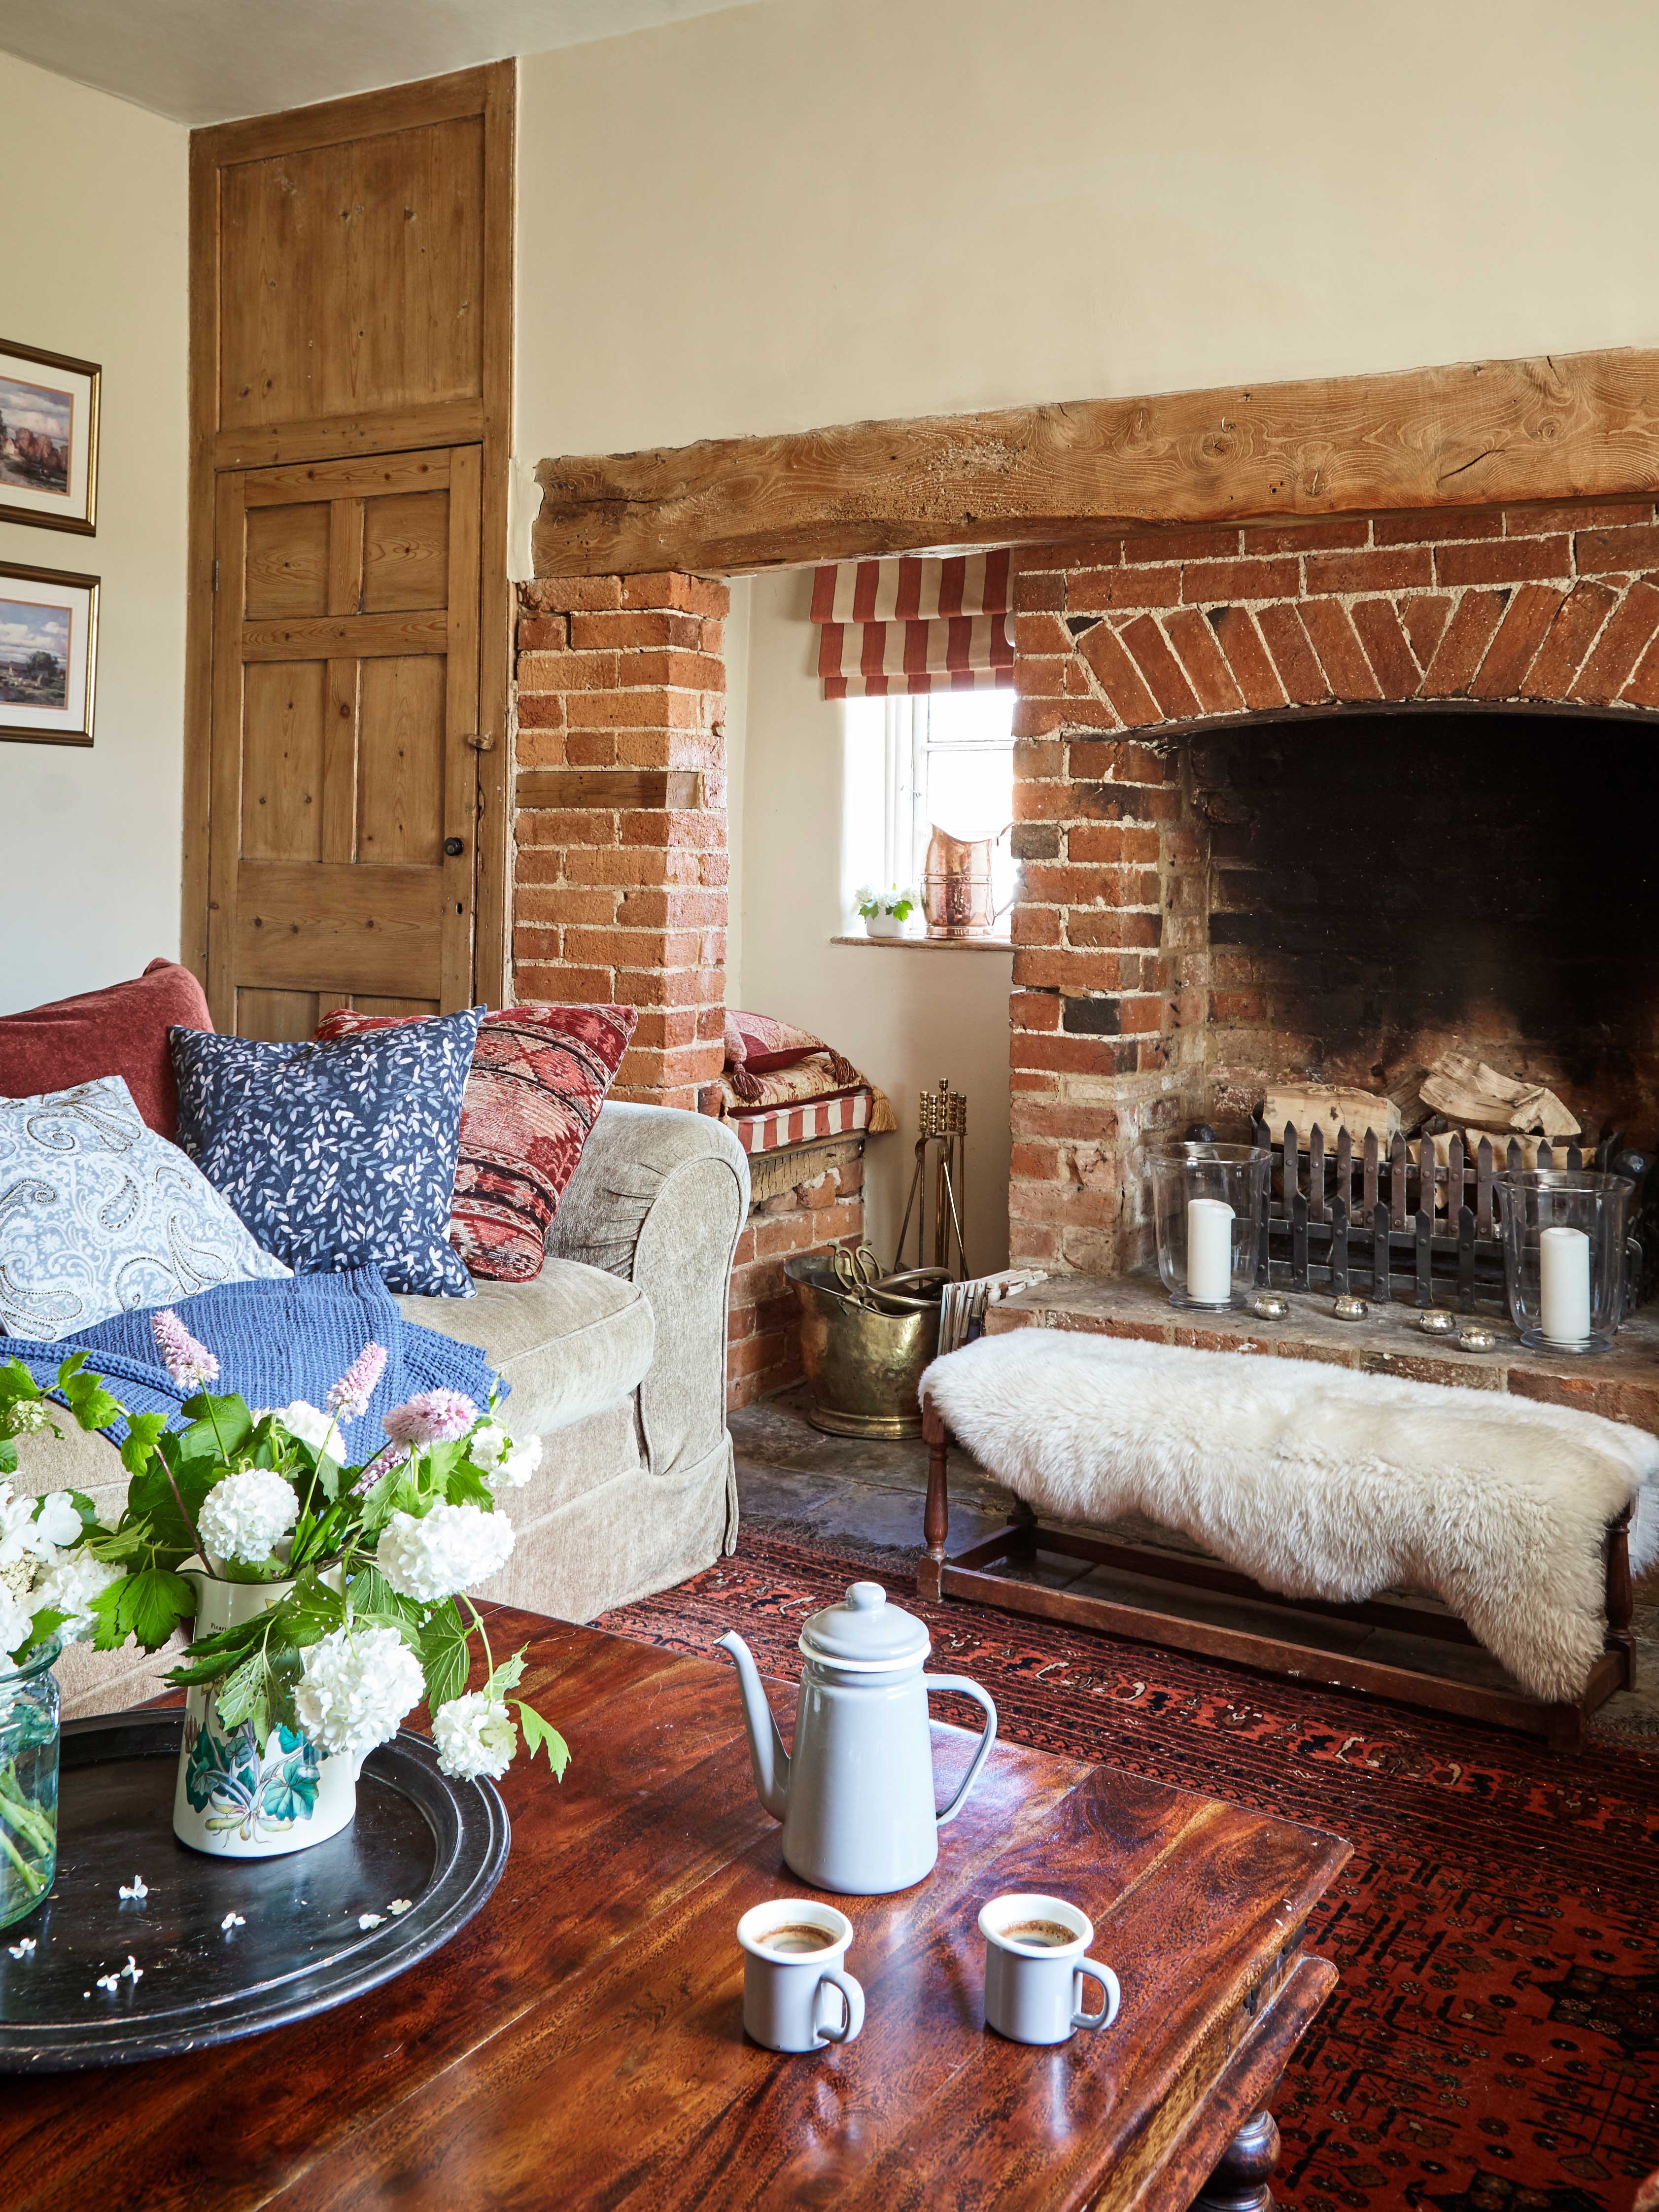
930	944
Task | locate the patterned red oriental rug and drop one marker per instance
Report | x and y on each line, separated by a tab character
1493	2042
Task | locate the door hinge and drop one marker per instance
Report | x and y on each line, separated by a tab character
215	575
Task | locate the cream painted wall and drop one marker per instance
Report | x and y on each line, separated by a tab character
905	1016
815	210
95	267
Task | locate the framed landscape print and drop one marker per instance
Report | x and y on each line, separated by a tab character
48	655
48	439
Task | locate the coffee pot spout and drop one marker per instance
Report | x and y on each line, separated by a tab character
766	1751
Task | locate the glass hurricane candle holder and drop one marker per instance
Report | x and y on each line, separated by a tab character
1208	1204
1564	1255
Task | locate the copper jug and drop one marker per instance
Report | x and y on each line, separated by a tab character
956	886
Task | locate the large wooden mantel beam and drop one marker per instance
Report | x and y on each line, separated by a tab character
1559	427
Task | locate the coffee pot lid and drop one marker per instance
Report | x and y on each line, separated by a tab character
865	1631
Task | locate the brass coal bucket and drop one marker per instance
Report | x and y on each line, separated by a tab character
863	1364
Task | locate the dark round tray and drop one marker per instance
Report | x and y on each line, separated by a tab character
418	1835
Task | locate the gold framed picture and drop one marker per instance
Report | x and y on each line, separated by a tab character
48	655
48	439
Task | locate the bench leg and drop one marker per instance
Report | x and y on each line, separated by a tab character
936	1518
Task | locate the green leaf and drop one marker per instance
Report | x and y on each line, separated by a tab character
151	1603
85	1395
43	1624
143	1430
465	1486
8	1456
507	1676
446	1657
542	1735
107	1633
219	1428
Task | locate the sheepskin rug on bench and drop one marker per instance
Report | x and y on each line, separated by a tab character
1321	1482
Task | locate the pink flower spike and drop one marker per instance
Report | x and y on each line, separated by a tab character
349	1398
191	1364
436	1417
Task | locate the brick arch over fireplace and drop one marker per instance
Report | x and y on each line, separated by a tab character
1530	606
1128	648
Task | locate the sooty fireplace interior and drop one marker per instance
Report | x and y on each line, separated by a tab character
1388	888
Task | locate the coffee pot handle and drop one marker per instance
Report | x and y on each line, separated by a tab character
963	1688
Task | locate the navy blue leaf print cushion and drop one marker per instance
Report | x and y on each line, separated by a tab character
338	1155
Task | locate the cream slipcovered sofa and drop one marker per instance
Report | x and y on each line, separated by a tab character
616	1357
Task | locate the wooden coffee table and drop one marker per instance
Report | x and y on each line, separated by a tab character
580	2041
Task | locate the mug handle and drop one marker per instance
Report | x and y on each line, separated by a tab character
1108	1980
963	1688
852	1997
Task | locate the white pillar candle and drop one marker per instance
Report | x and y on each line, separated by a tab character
1563	1269
1209	1251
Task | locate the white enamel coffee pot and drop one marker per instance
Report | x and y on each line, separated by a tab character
856	1796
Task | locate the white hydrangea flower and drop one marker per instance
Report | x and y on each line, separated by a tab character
16	1615
69	1585
245	1517
475	1735
30	1416
23	1537
516	1469
312	1425
58	1522
450	1550
358	1683
488	1442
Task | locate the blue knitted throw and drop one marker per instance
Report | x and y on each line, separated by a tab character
275	1341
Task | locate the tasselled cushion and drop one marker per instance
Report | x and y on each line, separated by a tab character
760	1044
539	1076
339	1154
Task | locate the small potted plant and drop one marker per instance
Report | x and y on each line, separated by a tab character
886	914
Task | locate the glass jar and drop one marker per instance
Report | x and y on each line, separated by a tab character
28	1780
1208	1204
1564	1255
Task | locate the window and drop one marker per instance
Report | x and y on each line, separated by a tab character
944	759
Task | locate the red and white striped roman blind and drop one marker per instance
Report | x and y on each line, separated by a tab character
914	625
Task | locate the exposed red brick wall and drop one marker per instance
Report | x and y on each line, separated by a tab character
1146	637
763	1353
614	902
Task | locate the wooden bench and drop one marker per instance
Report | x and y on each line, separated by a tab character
1172	1599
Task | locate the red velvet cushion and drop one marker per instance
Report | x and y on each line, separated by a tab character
760	1044
121	1030
539	1076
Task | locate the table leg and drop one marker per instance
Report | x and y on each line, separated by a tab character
1242	2179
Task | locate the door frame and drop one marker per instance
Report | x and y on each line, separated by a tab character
492	92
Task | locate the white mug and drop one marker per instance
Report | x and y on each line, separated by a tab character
1034	1980
796	1994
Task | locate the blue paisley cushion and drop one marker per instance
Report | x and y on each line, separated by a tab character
338	1155
99	1215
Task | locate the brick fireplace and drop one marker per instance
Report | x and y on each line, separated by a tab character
1317	800
1232	744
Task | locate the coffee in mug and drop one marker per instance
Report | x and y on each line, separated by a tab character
797	1936
797	1995
1047	1934
1036	1967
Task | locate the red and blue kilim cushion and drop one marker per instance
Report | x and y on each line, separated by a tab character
539	1076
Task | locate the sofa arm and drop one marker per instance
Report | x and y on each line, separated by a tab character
659	1197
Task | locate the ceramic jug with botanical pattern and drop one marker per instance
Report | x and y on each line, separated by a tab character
236	1797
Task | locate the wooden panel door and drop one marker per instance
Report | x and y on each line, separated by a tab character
345	713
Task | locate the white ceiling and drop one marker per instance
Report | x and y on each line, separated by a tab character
204	61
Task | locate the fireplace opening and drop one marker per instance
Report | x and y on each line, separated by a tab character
1385	887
